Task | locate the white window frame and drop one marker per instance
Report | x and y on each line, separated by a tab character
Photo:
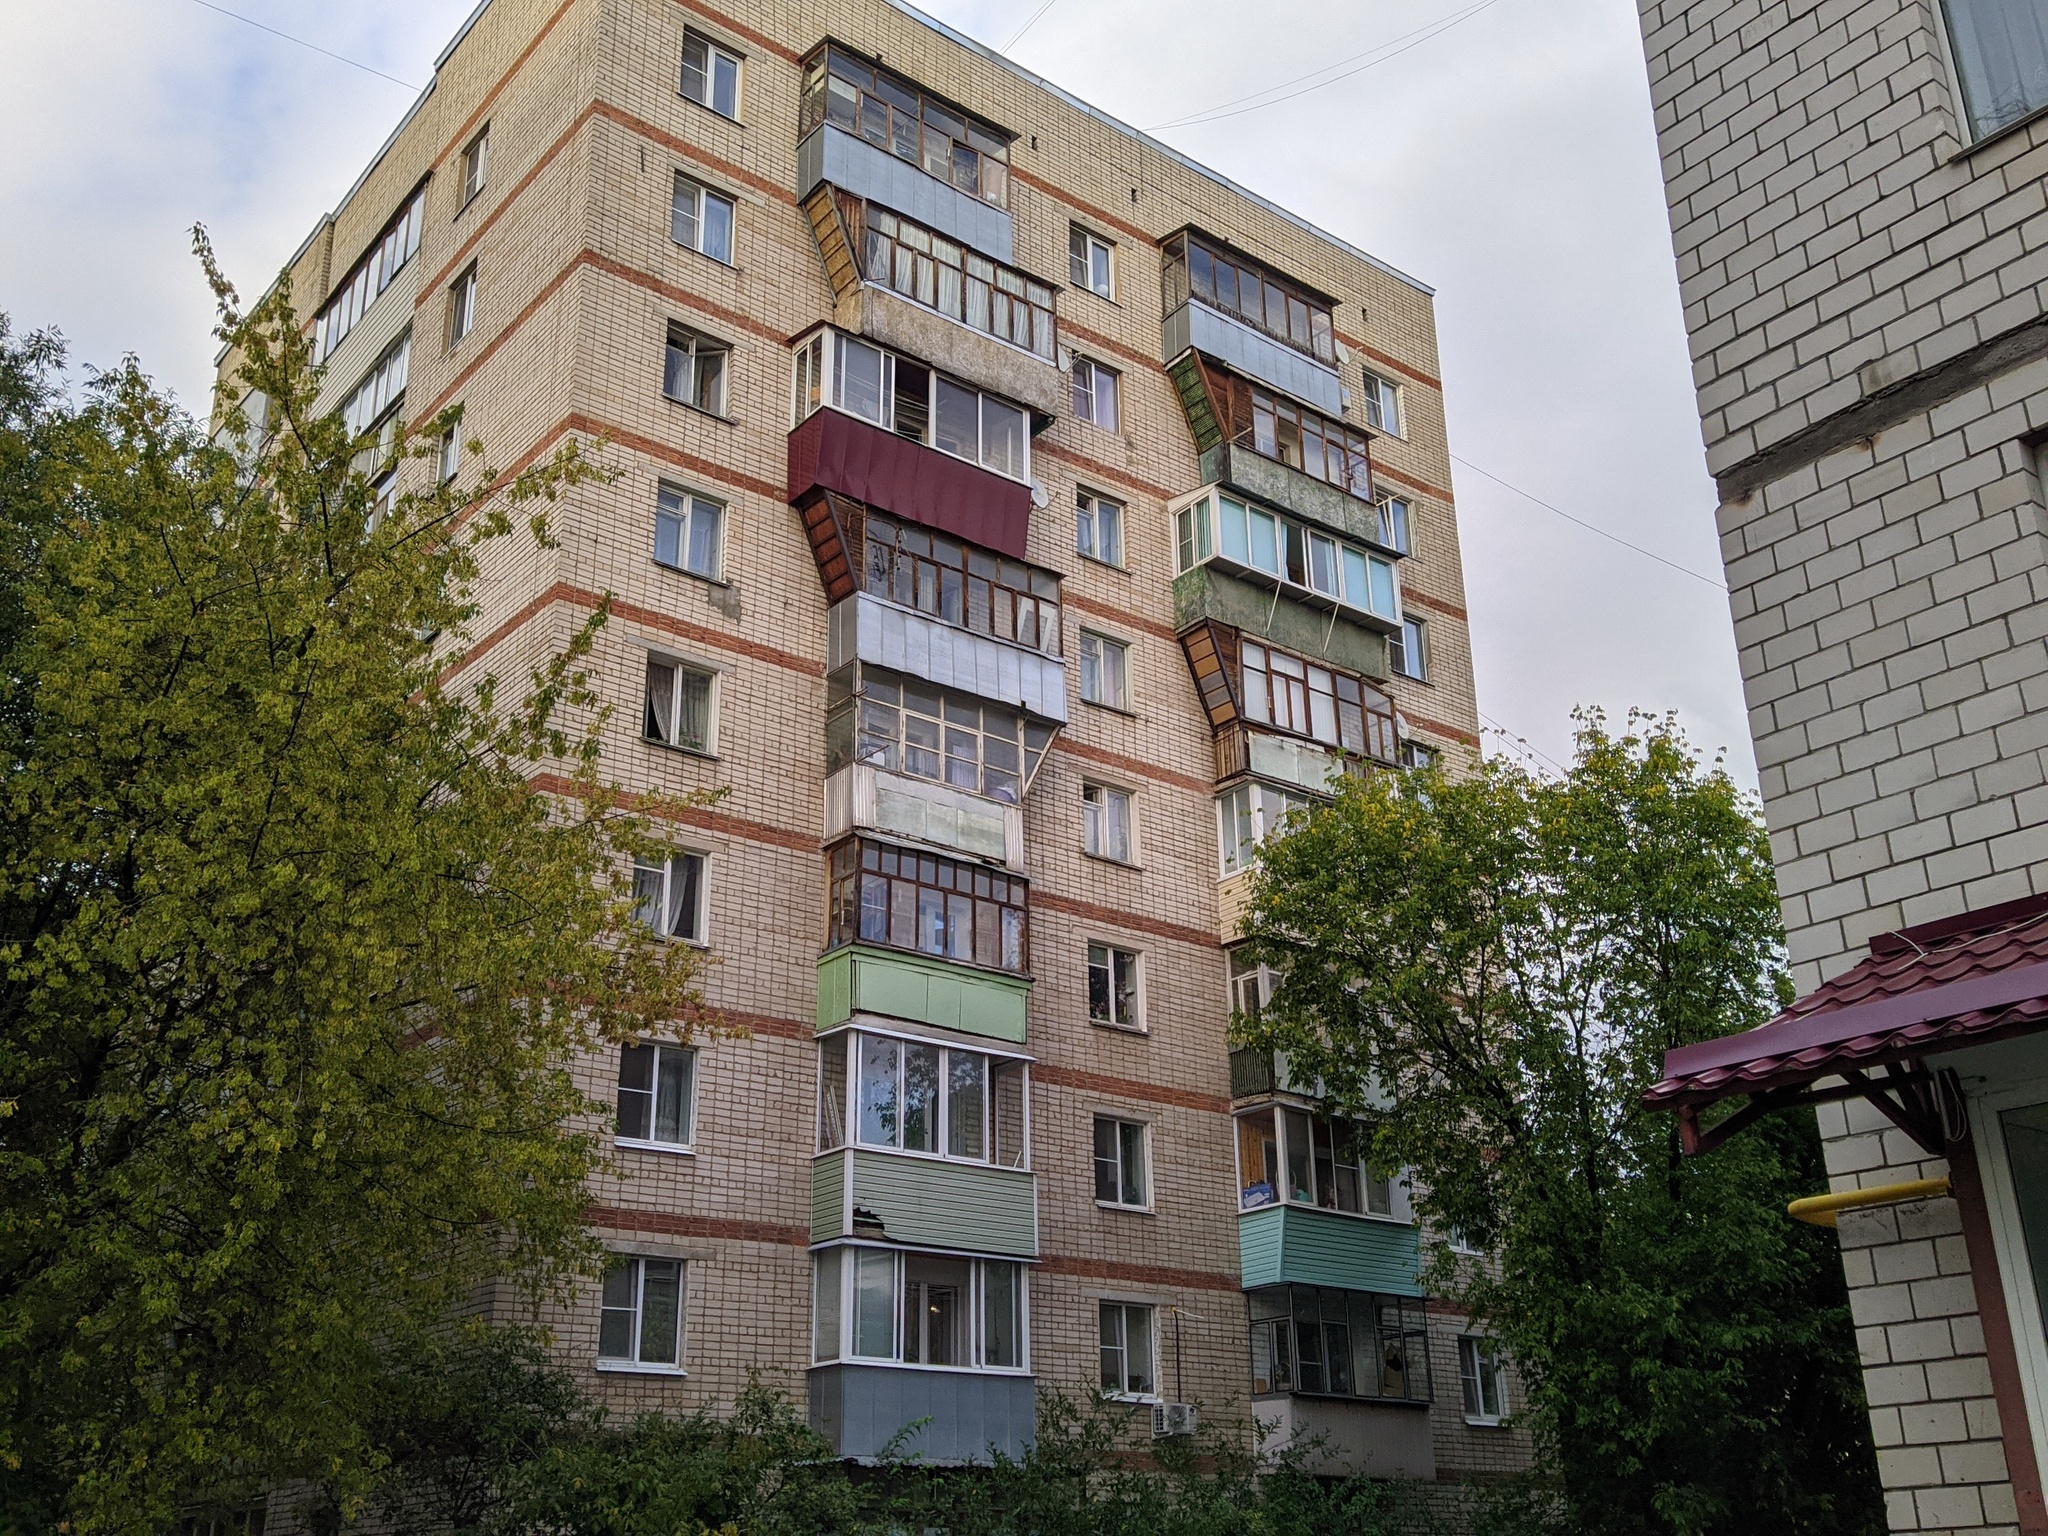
1265	807
1124	1310
686	510
1480	1365
1091	262
462	307
702	195
1388	1199
1396	516
2020	1089
695	349
635	1267
450	463
842	1259
651	1142
1111	953
1384	406
1126	1134
1107	660
645	889
1099	804
855	1048
1360	577
1408	652
818	383
1103	393
1092	515
476	164
680	668
715	53
1250	984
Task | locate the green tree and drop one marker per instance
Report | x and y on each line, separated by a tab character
293	962
1490	969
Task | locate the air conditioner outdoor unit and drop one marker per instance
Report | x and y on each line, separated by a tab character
1172	1419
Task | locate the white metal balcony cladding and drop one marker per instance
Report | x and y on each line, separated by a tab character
834	155
389	314
1253	354
1294	762
865	798
864	628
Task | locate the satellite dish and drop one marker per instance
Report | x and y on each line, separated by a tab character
1040	498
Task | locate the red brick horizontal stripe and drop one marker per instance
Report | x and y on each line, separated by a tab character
1127	1088
1437	727
690	816
1139	1274
1136	922
1122	616
675	1224
1381	472
1449	610
1071	748
1095	469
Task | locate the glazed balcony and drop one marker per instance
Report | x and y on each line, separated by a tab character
943	1418
924	1202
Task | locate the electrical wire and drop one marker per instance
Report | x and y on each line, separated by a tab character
1519	743
1385	51
1027	26
343	58
1684	570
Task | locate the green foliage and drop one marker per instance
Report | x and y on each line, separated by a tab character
1510	957
292	961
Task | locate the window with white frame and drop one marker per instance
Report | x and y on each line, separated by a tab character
679	705
451	453
1417	754
1106	822
1121	1177
1126	1331
693	369
370	276
906	1095
476	163
379	400
1408	652
1392	515
711	75
462	305
642	1321
1113	986
918	1309
1105	671
701	219
1285	1153
1248	814
1484	1378
913	401
2000	50
1251	984
1091	262
1253	541
1098	527
1383	405
669	897
688	531
657	1095
1095	393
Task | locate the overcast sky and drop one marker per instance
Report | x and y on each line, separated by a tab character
1509	162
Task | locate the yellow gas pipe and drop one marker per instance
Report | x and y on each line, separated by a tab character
1821	1210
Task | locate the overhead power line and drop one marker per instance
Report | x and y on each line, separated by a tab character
1028	25
1683	570
341	57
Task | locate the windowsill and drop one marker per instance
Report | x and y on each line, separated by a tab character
1108	565
1997	134
677	747
913	1365
730	266
920	1157
1104	858
1134	1399
1128	1210
683	570
625	1144
635	1368
705	106
1485	1423
698	410
1324	1210
472	197
1122	1029
1111	709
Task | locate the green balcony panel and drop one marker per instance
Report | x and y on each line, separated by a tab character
925	1203
1282	485
922	990
1279	1244
1206	593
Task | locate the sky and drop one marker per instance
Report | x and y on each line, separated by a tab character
1501	151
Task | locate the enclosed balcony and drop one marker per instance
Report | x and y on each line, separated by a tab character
1305	565
1343	1377
1260	323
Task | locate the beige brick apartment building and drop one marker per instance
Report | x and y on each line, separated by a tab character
1016	519
1858	208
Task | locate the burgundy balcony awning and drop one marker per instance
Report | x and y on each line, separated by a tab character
1964	980
836	452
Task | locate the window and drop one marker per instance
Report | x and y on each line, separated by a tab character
902	725
370	276
2001	53
1251	985
381	395
910	400
657	1094
1113	986
892	114
678	705
1106	822
1127	1354
1417	754
1248	814
924	266
1393	521
1089	262
462	305
1408	652
1335	708
1284	1153
643	1313
932	905
1484	1379
711	75
980	1117
918	1309
1095	393
451	453
669	897
686	532
1383	405
1098	528
476	163
1105	671
1331	1343
1315	445
958	583
1199	268
1120	1177
701	219
1251	539
694	370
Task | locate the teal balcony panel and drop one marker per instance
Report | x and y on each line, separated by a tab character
1283	1244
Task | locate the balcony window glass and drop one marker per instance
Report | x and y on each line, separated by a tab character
1298	695
902	725
961	584
941	274
918	1309
1323	1342
1292	1155
370	276
1202	269
1247	815
931	905
894	115
1302	439
1258	542
910	400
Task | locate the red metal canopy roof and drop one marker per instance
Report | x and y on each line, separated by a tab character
1961	981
